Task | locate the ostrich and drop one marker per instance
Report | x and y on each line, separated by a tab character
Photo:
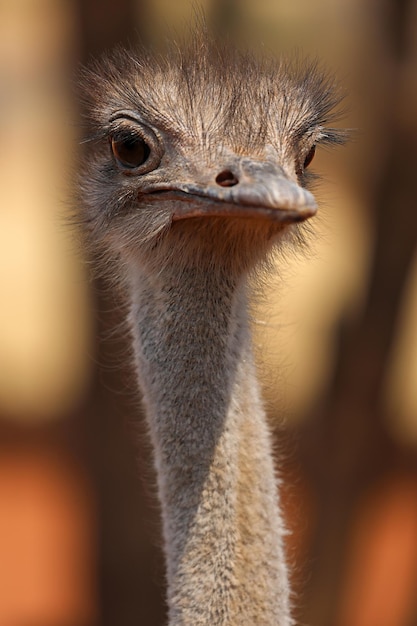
195	170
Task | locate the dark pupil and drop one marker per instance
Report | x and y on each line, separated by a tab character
309	157
130	151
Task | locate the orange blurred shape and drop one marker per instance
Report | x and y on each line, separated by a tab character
299	514
47	551
382	568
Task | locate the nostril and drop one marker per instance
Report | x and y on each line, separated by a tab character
226	178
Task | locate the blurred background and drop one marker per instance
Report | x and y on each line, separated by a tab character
336	332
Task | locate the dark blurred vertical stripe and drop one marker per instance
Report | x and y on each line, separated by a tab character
130	564
106	23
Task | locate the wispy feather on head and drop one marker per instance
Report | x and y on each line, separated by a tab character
202	87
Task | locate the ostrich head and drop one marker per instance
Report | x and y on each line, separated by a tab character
200	156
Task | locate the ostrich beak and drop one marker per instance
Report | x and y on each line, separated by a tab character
245	188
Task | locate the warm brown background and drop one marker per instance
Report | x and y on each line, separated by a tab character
337	333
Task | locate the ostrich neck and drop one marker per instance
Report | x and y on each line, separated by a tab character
222	528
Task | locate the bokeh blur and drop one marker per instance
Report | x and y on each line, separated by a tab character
336	331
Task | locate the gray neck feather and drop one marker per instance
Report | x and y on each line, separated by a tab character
222	526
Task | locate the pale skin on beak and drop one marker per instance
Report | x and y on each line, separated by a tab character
247	188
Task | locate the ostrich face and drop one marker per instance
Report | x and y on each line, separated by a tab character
201	151
205	183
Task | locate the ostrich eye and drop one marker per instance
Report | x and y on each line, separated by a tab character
309	157
130	151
